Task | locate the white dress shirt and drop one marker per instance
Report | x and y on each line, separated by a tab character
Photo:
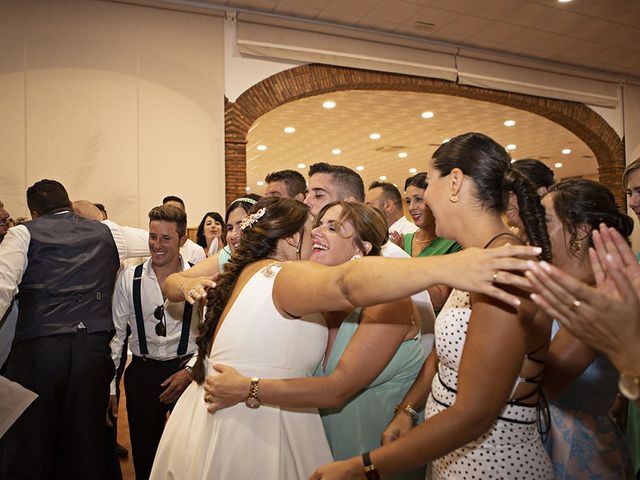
159	348
130	242
192	252
403	226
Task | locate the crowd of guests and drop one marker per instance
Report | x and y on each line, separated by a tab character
482	323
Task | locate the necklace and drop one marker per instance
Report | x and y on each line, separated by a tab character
429	240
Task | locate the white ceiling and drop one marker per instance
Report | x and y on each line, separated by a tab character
396	116
597	34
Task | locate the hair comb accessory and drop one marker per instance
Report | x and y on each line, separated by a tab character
244	199
250	220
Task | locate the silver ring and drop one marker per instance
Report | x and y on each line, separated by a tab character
192	292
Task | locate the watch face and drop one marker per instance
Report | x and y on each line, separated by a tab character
252	402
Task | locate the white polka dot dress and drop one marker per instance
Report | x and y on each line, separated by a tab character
512	448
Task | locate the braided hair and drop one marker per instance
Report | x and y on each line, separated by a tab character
488	163
282	218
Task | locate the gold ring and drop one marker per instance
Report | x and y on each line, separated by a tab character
192	292
576	303
207	398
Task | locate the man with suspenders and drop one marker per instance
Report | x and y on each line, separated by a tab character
162	336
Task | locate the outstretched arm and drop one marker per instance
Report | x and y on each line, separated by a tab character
192	284
372	280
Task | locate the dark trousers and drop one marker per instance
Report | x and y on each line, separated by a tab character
61	435
146	414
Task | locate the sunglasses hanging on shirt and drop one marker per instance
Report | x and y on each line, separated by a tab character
161	326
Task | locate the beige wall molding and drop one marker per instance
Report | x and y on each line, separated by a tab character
315	79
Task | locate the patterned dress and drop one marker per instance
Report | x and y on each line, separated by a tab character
512	448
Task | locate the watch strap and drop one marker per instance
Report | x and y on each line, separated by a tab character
370	472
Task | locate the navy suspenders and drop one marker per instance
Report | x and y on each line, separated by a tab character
137	307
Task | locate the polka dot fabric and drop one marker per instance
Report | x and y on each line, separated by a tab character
512	448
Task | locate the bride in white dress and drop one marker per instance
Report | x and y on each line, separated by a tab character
258	315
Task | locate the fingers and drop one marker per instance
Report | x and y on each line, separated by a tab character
196	289
624	287
501	295
521	251
598	272
506	278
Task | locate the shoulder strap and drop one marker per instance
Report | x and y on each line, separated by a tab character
186	326
137	307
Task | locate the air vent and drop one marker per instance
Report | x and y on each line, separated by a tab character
544	158
390	148
586	156
424	26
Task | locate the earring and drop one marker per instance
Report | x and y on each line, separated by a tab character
453	198
575	245
356	257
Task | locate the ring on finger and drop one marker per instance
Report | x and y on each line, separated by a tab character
575	304
495	277
207	397
192	292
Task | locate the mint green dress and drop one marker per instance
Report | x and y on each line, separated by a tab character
357	427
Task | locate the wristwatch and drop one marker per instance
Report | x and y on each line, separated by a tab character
253	401
370	472
629	386
189	369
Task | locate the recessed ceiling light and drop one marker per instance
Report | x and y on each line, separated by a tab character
413	170
403	155
446	140
383	178
513	160
566	151
289	129
260	183
511	146
329	104
261	147
509	123
426	114
301	165
336	151
564	1
360	168
558	165
375	136
248	189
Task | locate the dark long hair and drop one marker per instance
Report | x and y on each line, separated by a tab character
489	164
200	238
577	202
282	218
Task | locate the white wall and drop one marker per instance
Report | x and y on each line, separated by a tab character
122	104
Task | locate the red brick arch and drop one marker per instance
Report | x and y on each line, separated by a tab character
315	79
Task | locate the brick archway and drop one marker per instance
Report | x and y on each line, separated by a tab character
315	79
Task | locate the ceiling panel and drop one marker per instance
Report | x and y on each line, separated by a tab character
396	116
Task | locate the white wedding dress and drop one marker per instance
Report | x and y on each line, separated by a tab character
239	443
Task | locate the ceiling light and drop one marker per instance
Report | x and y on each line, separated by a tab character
375	136
329	104
413	170
403	155
382	178
509	123
558	165
289	129
566	151
301	165
564	1
360	168
261	147
260	183
446	140
248	189
426	114
336	151
511	146
513	160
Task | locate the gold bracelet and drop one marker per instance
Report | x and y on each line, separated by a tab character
408	409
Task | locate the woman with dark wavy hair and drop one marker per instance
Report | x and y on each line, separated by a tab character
211	228
481	383
580	382
258	322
